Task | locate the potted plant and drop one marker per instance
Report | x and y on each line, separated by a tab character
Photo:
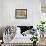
34	39
41	27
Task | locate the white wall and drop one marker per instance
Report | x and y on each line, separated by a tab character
33	12
0	12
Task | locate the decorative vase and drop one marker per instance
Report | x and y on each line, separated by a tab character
42	34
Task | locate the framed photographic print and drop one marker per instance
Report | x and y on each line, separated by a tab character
21	13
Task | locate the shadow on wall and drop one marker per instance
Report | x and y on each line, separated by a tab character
1	32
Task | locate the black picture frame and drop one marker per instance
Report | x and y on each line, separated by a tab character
21	13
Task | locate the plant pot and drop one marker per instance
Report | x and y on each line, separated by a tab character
34	43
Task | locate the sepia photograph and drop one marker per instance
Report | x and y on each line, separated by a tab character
21	13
